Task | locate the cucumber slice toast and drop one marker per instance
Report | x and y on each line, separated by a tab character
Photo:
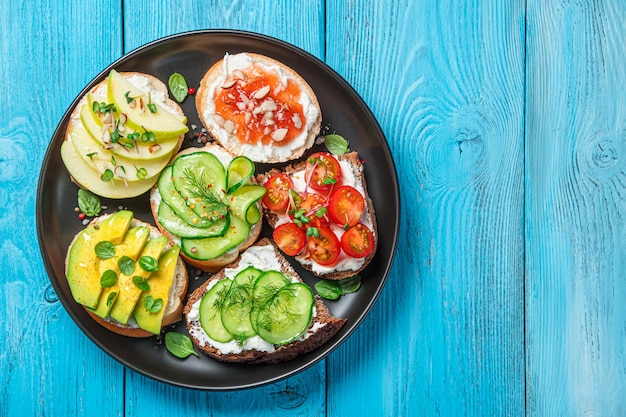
254	313
211	208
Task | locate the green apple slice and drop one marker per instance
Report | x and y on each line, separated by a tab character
102	159
139	117
87	177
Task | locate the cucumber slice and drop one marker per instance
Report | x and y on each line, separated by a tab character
212	247
211	311
201	180
286	315
243	199
239	171
175	225
177	203
266	285
238	304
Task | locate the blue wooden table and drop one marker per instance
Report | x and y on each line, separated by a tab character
507	123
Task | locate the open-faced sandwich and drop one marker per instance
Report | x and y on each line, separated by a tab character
122	134
322	214
258	310
258	107
127	275
207	202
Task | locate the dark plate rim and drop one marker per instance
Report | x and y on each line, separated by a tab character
329	346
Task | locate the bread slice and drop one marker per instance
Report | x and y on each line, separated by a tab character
350	164
215	264
235	69
323	325
177	293
91	180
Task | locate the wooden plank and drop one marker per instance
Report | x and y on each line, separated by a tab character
49	52
575	287
445	80
302	394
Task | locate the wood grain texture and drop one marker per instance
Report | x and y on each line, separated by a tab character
576	200
445	80
48	366
303	394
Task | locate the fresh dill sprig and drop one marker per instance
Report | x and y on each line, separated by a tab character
199	188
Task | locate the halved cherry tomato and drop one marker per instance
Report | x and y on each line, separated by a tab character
324	249
289	238
324	171
277	196
312	204
358	241
345	206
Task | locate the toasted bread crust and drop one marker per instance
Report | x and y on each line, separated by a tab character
209	265
331	324
214	78
355	162
174	312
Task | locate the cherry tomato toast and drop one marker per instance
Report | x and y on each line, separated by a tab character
322	214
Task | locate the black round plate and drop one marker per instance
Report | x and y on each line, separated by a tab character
344	112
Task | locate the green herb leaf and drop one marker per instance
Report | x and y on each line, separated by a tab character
90	155
112	296
152	107
148	136
108	278
141	173
153	305
107	176
178	86
328	289
332	290
126	265
179	345
321	212
328	181
149	264
336	144
129	99
313	231
141	283
350	284
88	203
105	249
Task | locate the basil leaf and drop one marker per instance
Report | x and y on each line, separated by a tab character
112	296
328	289
126	265
336	144
105	250
149	264
350	284
108	279
178	86
141	283
179	345
153	305
88	203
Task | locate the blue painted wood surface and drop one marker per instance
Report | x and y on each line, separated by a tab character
507	124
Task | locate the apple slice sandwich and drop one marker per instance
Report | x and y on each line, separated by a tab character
121	134
258	310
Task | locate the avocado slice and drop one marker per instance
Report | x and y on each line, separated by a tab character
160	284
131	246
83	272
129	292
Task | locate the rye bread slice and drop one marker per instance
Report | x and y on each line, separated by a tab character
330	325
369	214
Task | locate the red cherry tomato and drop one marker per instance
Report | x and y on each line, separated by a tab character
324	249
324	171
358	241
277	196
345	206
313	204
289	238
